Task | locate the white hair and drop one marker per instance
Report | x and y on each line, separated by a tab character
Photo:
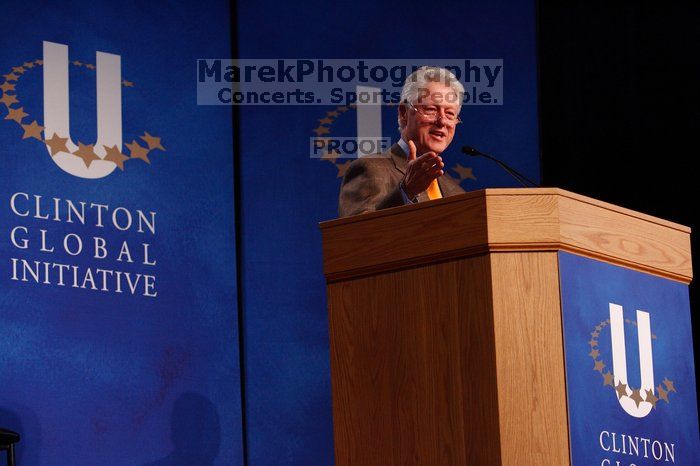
419	79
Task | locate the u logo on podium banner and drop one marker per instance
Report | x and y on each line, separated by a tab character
629	398
637	402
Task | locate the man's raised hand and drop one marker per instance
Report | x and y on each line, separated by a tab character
421	171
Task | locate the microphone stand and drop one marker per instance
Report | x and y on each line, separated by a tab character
519	177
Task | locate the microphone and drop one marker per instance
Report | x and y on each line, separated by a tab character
519	177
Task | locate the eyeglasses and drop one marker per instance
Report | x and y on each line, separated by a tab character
431	113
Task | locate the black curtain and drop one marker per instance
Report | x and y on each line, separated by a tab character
619	107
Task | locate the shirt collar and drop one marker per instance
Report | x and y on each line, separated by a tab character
404	147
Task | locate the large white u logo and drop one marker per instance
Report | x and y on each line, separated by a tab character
109	110
633	403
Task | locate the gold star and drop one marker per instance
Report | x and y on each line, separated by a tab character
116	156
636	397
77	63
90	66
594	354
32	130
39	62
595	334
669	385
321	130
342	168
608	379
138	152
10	77
87	153
18	70
56	144
28	64
593	343
651	398
331	156
598	328
464	172
152	141
7	87
342	109
621	390
325	121
599	365
8	99
127	83
333	114
16	114
663	394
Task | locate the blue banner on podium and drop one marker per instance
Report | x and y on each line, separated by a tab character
629	364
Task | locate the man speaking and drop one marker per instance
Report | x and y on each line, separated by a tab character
412	170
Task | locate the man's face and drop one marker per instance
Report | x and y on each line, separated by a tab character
430	134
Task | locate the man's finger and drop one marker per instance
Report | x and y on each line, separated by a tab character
429	160
411	151
427	156
431	164
432	171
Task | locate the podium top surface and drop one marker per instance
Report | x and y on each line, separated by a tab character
502	220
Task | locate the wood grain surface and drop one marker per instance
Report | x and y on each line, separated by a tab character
413	367
530	359
544	219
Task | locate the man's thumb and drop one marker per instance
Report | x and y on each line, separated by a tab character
411	151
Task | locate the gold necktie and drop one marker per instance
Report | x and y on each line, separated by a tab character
434	190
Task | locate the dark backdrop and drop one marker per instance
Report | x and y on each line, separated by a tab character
619	118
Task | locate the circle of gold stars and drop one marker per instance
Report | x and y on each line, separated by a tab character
621	388
57	143
332	155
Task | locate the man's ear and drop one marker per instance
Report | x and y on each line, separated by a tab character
403	111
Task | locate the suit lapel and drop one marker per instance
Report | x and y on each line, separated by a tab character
445	185
399	158
448	185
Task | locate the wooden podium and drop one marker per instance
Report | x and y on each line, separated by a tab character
446	327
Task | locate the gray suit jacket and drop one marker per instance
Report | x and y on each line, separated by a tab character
372	183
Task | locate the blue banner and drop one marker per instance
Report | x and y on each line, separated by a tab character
118	318
287	187
629	366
